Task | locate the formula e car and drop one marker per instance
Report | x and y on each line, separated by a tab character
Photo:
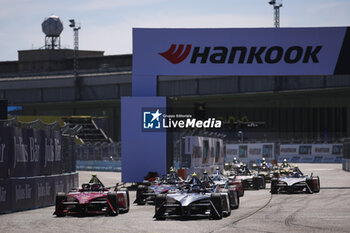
295	182
248	179
265	171
220	183
220	179
93	198
147	192
235	164
194	199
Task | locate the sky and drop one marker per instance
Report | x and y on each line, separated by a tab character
106	25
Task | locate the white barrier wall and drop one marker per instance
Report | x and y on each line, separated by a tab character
250	153
296	153
346	164
202	154
311	153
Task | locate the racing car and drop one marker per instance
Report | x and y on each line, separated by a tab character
235	164
294	182
220	183
220	179
147	192
248	179
264	169
93	198
194	199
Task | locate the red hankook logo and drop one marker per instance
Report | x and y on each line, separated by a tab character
176	56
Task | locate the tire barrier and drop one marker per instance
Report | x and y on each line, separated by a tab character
23	193
88	165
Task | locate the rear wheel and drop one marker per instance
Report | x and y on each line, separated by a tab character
113	209
60	198
309	185
216	208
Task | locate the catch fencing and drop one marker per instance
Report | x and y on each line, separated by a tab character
99	157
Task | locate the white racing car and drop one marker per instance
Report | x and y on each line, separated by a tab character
192	200
295	182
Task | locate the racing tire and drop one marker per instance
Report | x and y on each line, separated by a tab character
236	204
228	213
262	182
241	194
159	201
274	188
319	185
276	175
226	210
256	182
112	198
140	190
245	184
60	197
228	207
309	186
127	201
216	207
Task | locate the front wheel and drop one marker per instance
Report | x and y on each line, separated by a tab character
318	187
127	201
60	198
309	185
262	182
235	205
140	199
113	209
274	188
216	206
159	201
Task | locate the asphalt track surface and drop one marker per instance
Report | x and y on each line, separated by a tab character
327	211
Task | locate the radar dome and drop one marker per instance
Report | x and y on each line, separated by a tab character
52	26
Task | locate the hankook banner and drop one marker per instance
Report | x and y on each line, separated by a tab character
241	51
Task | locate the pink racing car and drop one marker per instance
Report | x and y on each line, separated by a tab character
93	198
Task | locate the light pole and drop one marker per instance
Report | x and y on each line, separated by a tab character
75	57
276	7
